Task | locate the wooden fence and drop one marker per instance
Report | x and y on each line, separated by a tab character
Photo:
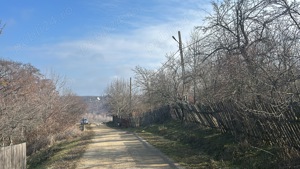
13	157
156	116
256	122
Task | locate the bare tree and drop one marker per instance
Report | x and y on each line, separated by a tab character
31	109
119	97
1	27
246	52
160	87
248	42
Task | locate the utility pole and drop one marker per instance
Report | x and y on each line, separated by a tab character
183	95
182	65
130	95
194	74
150	100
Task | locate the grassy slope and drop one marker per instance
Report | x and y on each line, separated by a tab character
190	145
63	155
197	147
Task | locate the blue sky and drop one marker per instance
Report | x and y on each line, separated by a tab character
92	42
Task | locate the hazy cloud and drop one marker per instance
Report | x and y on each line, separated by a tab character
91	61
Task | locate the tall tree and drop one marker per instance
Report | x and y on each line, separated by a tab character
119	97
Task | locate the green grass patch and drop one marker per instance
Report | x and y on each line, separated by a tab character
62	155
193	146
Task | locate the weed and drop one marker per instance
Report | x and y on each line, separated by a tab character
60	155
193	146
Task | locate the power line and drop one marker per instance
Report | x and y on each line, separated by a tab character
163	65
193	43
198	40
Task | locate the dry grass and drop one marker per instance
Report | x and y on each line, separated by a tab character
197	147
63	155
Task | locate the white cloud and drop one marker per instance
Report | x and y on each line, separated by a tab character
90	62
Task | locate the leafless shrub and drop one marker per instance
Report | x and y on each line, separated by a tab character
31	108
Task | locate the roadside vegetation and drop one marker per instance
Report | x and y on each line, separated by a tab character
193	146
35	108
241	70
63	154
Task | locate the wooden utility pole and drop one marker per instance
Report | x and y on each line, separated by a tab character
130	95
150	100
194	74
182	65
183	95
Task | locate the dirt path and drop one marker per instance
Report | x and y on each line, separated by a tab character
112	148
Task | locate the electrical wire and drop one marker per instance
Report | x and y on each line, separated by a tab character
193	43
163	65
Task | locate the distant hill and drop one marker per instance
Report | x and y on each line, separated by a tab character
96	104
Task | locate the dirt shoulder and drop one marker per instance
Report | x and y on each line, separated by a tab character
112	148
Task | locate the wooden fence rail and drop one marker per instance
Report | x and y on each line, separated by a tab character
13	157
254	122
156	116
257	122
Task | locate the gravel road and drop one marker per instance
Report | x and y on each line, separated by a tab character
112	148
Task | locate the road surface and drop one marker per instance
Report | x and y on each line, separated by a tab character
112	148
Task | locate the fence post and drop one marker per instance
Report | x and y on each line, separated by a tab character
13	157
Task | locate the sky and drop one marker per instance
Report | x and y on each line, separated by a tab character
92	42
